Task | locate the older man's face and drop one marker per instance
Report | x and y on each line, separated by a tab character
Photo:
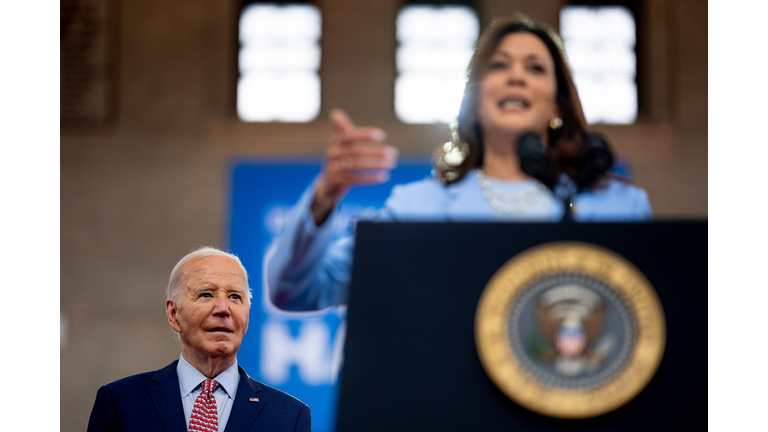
212	315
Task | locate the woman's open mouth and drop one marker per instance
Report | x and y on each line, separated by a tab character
514	103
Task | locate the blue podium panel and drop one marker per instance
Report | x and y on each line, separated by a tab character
299	353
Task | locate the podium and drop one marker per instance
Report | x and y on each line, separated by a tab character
411	362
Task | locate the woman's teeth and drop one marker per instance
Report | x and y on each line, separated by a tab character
512	103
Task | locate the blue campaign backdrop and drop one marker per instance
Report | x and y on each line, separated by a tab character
299	353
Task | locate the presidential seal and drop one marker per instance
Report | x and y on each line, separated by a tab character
570	330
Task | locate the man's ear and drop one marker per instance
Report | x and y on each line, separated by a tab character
173	314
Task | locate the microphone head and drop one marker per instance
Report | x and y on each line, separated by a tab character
596	153
596	158
534	159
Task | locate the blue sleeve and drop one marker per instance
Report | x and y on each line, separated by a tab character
642	208
618	202
304	269
392	206
103	413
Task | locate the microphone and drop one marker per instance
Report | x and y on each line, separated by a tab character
534	160
596	159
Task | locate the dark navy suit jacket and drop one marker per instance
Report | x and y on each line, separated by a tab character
152	402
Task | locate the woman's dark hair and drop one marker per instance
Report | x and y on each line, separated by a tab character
564	142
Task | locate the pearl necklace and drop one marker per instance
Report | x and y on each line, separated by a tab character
507	202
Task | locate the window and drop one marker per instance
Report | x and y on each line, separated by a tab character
279	59
600	44
88	64
435	44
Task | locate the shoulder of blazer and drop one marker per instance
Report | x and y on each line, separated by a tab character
144	379
267	391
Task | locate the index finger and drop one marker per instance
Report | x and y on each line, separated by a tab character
341	121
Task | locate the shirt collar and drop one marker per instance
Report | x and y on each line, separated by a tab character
190	378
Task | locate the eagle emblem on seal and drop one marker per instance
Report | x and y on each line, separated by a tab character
570	335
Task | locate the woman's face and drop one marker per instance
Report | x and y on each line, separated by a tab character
518	93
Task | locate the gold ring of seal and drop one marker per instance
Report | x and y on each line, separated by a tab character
506	370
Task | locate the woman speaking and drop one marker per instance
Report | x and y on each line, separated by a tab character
520	92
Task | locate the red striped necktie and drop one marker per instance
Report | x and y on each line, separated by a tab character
204	415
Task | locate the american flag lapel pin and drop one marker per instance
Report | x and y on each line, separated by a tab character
253	399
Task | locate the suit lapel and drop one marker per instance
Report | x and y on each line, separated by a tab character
244	411
167	398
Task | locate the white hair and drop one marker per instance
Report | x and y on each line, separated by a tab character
174	289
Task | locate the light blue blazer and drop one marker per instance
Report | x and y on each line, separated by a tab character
304	269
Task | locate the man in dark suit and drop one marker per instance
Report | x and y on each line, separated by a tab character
208	301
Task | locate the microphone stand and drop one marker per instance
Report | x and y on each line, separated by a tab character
568	217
